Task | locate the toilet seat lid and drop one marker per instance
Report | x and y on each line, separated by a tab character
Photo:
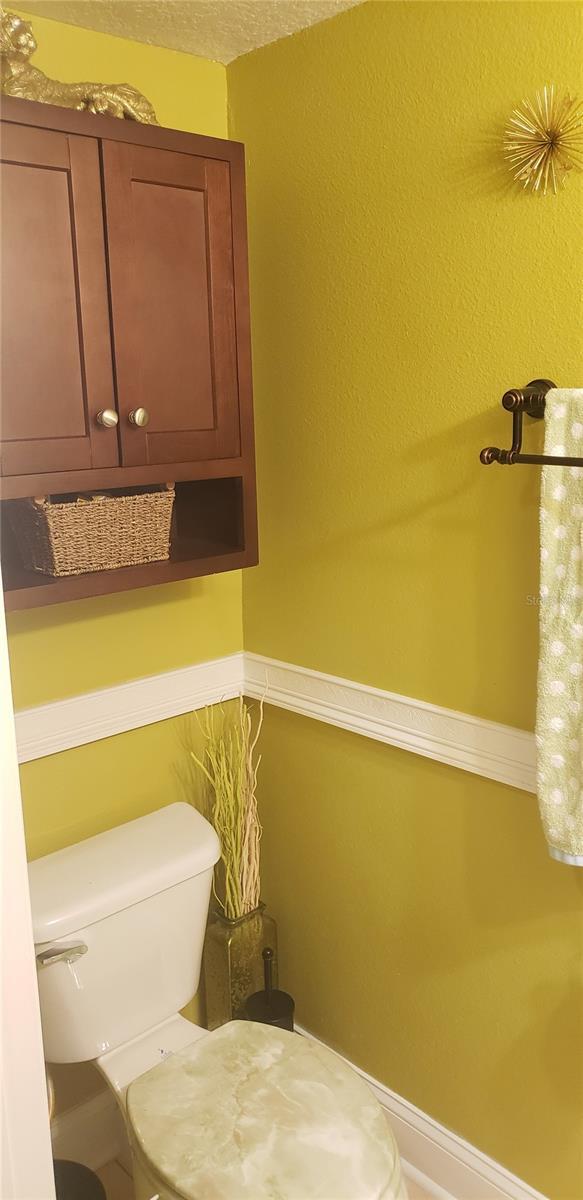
251	1111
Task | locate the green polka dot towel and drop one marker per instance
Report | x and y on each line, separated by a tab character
559	719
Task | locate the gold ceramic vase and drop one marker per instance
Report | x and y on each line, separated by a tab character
233	964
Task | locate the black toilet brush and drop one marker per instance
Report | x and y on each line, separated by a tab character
270	1007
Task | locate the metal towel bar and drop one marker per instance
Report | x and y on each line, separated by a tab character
518	401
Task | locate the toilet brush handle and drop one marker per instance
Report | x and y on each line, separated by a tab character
267	970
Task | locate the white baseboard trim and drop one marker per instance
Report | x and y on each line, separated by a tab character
443	1164
92	1133
485	748
440	1161
412	1175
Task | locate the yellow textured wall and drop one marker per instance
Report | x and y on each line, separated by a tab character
77	647
399	286
187	92
427	935
72	648
70	796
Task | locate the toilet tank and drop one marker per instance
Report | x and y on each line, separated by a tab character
119	923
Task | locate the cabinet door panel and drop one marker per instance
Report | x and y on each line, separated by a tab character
172	292
56	355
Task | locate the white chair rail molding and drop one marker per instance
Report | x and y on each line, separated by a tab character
461	740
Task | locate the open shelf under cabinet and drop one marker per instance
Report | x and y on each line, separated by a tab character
208	536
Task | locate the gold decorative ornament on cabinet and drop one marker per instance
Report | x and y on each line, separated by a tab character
20	78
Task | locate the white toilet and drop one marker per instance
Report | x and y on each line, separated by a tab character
245	1113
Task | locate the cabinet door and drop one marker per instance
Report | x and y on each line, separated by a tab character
170	253
56	373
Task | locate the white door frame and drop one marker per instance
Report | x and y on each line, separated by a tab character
26	1171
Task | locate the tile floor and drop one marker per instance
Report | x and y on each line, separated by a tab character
118	1184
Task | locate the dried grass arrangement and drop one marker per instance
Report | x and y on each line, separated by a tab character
229	765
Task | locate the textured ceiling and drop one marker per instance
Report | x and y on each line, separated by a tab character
215	29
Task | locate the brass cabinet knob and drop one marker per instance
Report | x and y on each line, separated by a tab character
139	416
107	417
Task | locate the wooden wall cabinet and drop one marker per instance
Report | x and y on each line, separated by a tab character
124	288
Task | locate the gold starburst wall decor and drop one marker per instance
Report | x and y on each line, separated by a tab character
544	140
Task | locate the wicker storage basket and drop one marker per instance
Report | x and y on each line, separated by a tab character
95	531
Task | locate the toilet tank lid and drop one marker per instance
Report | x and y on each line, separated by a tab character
94	879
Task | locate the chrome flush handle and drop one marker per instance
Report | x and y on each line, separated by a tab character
68	954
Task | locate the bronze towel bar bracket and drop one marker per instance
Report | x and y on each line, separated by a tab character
518	401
